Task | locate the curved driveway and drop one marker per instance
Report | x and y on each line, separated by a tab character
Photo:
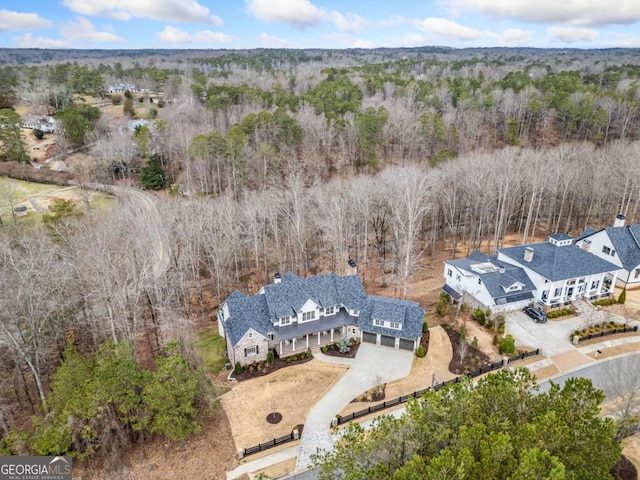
372	366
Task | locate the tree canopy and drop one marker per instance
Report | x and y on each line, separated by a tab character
77	120
501	428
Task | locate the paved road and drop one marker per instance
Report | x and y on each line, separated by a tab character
600	373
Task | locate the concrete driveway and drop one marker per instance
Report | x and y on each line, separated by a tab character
552	337
373	365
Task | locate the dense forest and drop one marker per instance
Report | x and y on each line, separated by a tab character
277	160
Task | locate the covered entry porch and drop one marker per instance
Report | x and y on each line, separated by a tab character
313	335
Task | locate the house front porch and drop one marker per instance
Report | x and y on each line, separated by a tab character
300	337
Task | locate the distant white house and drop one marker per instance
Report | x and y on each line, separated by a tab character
550	274
122	87
47	124
619	245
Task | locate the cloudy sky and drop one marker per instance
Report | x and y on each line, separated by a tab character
318	23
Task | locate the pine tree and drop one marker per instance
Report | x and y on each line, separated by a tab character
151	174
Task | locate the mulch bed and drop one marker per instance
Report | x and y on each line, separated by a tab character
274	417
625	469
424	342
473	360
247	374
350	354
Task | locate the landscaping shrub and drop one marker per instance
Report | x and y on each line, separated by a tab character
420	353
309	354
270	356
443	304
605	302
501	323
38	133
288	359
479	316
623	297
474	343
344	346
325	349
507	346
425	327
238	369
495	339
559	313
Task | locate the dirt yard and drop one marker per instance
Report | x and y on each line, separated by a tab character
290	391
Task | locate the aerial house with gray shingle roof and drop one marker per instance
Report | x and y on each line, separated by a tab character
296	314
619	245
549	274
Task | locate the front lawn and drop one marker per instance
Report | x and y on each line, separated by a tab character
211	347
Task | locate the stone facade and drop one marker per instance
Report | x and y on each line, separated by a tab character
238	352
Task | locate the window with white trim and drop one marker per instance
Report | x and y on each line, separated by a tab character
637	274
449	272
250	335
378	323
595	284
395	325
285	321
329	310
249	351
606	250
557	292
306	316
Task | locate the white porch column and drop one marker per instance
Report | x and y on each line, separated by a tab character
293	348
344	330
307	336
332	335
318	338
600	284
280	347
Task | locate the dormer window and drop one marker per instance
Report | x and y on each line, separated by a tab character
378	323
606	250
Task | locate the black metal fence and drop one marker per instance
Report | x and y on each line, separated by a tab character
387	404
270	444
608	332
405	398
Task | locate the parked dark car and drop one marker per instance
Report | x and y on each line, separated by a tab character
538	315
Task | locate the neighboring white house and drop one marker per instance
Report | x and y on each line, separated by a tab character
122	87
483	281
549	274
619	245
46	124
296	314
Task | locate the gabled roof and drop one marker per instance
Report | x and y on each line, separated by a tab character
626	242
559	262
328	290
587	232
244	313
497	279
407	313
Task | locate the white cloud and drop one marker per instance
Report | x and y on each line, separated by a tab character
350	41
168	10
82	29
271	41
624	40
572	35
175	35
15	21
577	12
447	28
349	22
29	41
303	13
410	40
511	37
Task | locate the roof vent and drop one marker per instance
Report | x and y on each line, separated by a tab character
528	254
277	278
619	221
